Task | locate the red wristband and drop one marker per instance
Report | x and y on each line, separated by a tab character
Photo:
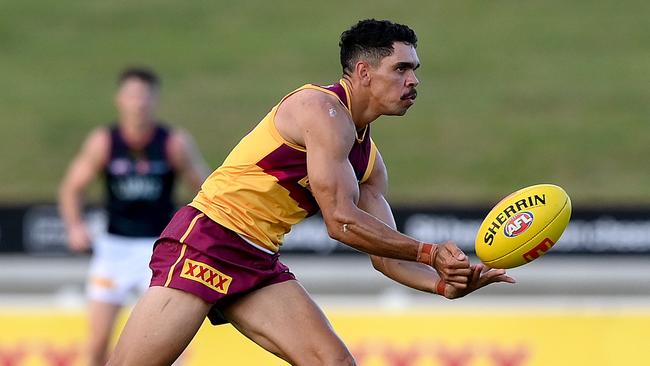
426	253
440	287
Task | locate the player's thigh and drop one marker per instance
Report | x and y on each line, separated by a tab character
285	320
161	325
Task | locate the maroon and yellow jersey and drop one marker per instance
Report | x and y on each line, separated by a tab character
262	187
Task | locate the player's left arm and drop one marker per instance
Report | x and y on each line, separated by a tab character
413	274
186	159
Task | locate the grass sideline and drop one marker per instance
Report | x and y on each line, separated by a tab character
512	93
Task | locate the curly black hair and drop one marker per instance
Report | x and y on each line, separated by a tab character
141	73
372	40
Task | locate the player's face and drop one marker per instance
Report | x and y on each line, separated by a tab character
393	80
136	98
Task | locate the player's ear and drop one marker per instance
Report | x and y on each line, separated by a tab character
362	71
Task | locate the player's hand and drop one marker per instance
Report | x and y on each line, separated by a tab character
452	265
78	238
481	275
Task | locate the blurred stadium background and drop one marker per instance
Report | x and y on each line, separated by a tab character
512	94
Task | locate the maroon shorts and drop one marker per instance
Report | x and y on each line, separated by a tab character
199	256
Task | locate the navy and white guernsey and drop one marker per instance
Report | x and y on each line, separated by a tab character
139	186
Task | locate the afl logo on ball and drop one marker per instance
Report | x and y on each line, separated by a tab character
518	224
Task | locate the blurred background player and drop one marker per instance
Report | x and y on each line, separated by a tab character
313	151
140	160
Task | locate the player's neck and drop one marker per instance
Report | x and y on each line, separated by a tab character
362	114
136	130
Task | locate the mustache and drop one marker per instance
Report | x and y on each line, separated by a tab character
412	94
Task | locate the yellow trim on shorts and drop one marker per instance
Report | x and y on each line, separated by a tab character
183	248
189	229
171	270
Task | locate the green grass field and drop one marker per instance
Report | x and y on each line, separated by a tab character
512	93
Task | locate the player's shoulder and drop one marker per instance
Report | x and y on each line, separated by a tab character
96	146
310	111
166	132
314	100
179	141
178	135
99	137
311	106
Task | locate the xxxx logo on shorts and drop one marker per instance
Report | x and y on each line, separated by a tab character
207	275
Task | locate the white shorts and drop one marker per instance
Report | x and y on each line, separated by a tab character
119	268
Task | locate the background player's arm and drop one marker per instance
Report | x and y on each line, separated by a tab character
186	159
82	171
328	135
412	274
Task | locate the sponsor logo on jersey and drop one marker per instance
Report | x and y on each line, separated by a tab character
142	167
207	275
518	224
119	166
137	187
123	166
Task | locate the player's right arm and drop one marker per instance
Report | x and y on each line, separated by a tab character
83	169
326	130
